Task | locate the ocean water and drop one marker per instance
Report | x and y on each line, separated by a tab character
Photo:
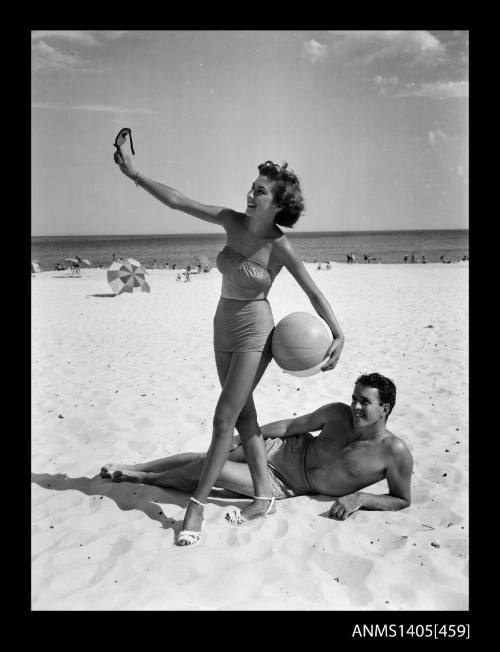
377	246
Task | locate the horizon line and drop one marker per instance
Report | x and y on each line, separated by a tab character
292	233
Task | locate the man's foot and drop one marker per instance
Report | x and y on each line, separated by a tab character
108	469
122	473
193	521
126	475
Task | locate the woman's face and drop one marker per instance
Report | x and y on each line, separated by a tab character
260	200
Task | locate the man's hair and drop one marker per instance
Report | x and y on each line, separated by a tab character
287	192
386	387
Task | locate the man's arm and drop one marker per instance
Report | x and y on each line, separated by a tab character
398	475
298	426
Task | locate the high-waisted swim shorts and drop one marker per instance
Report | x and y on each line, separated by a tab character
243	326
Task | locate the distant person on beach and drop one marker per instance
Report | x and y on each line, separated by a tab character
405	259
353	258
114	257
413	257
75	266
424	260
255	252
349	261
354	449
366	259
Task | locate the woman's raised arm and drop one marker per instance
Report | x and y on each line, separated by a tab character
170	196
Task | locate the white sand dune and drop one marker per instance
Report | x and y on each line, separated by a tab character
133	378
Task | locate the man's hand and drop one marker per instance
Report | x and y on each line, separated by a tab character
345	506
235	443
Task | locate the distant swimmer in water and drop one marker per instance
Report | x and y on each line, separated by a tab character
256	250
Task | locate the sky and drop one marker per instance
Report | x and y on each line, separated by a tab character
374	123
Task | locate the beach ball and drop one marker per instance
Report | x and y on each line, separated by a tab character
299	344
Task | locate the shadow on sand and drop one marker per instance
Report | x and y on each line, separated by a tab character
131	495
110	295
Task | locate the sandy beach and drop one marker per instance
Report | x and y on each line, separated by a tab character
132	378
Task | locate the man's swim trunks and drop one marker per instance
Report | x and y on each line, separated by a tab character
286	464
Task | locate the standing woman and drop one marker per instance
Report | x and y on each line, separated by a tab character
256	250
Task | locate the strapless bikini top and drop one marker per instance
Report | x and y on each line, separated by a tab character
243	271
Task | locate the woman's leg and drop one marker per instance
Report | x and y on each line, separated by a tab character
251	438
238	385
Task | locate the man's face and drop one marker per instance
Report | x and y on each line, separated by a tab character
366	406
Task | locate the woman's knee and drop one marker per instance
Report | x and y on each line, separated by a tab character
224	421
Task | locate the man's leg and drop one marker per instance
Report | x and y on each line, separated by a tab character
164	464
234	476
155	466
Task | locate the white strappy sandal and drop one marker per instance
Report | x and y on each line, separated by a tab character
235	517
191	538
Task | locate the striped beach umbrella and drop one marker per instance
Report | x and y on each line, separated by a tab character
126	276
203	260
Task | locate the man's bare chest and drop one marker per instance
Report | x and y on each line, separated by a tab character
354	459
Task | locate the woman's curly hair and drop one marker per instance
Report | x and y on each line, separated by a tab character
287	192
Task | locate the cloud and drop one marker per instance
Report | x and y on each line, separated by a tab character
105	108
385	83
367	46
45	57
314	51
437	138
438	90
81	37
48	57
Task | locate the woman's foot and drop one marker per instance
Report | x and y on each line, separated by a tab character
252	511
256	509
192	524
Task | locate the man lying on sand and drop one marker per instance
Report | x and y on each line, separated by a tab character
353	450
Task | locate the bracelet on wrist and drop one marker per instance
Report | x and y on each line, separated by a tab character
136	178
